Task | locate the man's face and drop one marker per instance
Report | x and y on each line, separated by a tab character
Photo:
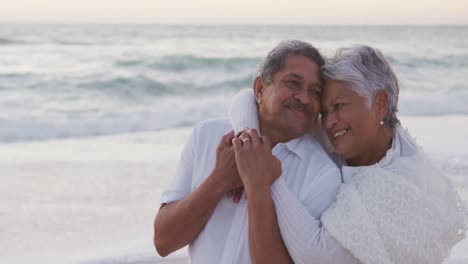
289	105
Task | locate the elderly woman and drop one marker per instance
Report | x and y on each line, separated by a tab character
394	206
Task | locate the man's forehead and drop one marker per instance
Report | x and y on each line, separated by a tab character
298	76
297	62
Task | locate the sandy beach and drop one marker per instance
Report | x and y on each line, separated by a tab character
93	200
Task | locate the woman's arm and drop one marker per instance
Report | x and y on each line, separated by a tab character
266	243
243	112
305	238
258	168
303	235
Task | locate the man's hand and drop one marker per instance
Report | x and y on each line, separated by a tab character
178	223
226	168
257	166
236	194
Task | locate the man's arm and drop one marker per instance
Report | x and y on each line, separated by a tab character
178	223
258	169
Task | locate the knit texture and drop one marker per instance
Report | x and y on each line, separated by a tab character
382	217
243	112
307	242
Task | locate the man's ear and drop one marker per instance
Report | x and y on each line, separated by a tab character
381	102
258	87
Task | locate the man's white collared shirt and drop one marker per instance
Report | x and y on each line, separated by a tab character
307	171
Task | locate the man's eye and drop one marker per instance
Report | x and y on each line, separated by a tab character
316	93
292	84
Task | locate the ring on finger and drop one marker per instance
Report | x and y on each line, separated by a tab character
245	140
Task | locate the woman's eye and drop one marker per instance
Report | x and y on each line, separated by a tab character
338	106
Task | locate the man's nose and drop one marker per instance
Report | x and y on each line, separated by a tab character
303	96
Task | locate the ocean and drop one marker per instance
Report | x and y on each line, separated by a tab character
67	81
93	118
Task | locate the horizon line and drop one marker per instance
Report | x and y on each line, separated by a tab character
229	24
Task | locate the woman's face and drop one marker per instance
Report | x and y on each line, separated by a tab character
350	123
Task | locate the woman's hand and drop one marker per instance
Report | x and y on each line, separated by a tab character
257	166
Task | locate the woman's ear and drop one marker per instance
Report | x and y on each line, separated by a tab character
258	86
381	102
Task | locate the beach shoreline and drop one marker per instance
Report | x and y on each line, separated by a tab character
93	200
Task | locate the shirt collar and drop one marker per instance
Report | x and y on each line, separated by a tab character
297	146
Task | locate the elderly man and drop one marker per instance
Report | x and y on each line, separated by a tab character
195	210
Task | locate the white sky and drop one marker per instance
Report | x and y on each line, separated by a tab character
237	11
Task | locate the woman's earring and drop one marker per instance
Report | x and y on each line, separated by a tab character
381	123
259	101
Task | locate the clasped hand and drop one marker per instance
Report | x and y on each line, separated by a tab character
257	166
247	163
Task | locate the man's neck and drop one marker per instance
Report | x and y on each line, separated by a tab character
273	134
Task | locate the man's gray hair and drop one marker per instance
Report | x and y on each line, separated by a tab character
367	71
276	58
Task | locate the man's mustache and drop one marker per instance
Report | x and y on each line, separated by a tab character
298	106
